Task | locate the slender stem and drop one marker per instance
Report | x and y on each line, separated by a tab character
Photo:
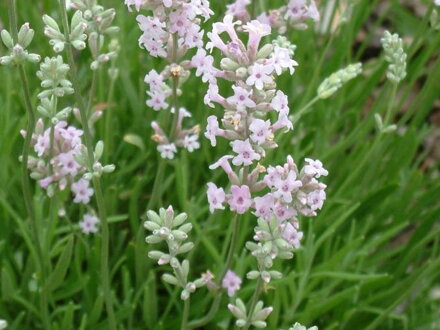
390	105
26	185
304	109
108	118
253	302
216	302
105	274
186	306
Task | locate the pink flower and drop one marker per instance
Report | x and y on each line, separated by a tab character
82	191
216	197
286	186
263	206
212	95
292	236
260	130
204	65
281	60
283	212
231	282
223	162
245	154
280	102
257	31
213	130
68	164
167	151
191	142
152	26
315	199
89	224
240	200
260	75
179	22
241	99
282	122
154	79
273	177
157	101
314	168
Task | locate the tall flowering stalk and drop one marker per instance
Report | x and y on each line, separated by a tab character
169	32
16	42
74	35
276	195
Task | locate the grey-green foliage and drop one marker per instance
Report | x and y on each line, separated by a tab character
173	230
17	48
395	55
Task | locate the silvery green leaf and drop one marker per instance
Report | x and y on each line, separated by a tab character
185	248
7	39
170	279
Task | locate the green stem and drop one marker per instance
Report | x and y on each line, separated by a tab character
304	110
26	185
217	299
390	105
186	306
105	274
253	302
108	118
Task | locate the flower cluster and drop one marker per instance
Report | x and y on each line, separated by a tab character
336	80
295	14
185	138
99	24
171	30
56	166
77	36
17	48
256	317
172	229
395	55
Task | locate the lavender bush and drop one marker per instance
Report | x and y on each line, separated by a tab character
192	164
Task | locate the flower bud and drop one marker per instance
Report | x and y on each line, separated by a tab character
7	39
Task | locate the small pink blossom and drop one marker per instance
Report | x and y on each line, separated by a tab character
231	282
263	206
82	191
204	65
245	154
260	130
216	197
280	102
191	142
89	225
315	199
213	130
292	236
260	75
223	162
167	151
315	168
287	186
241	99
240	200
281	60
157	101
